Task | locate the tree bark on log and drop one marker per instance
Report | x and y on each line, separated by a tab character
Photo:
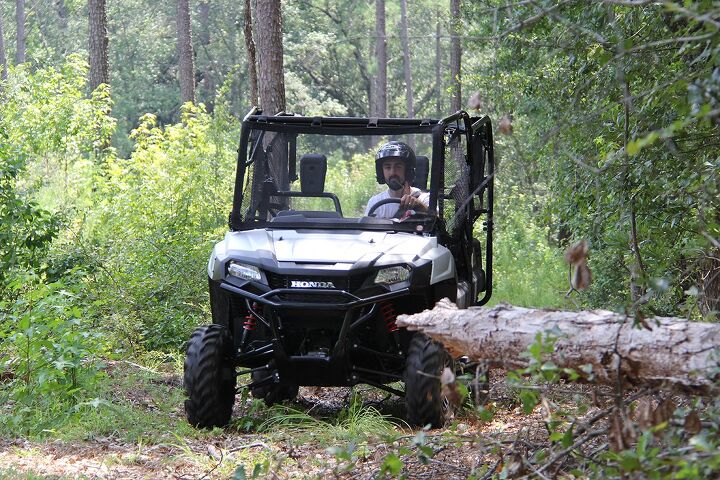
659	351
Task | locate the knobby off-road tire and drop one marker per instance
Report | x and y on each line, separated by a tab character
209	377
274	393
425	362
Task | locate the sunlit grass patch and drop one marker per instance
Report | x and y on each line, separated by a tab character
527	270
357	421
134	404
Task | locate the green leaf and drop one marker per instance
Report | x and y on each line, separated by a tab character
24	323
239	473
391	464
567	438
529	399
633	147
629	462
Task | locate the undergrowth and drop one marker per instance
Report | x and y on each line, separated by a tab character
527	270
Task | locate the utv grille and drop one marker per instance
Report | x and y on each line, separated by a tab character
310	298
349	284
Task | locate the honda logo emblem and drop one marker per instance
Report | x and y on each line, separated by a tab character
311	284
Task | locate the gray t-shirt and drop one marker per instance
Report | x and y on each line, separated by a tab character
389	209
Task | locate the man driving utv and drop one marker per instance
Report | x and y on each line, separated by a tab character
395	166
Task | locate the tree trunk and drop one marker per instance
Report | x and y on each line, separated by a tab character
267	31
208	71
268	36
187	56
20	20
98	44
455	55
406	59
379	108
62	13
3	59
709	279
250	47
661	351
438	63
204	20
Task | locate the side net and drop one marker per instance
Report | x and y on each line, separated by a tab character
456	186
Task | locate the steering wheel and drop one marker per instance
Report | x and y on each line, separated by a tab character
417	214
385	201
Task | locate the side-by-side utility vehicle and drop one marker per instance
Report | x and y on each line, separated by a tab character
305	288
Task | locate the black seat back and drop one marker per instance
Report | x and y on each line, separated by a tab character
422	165
313	167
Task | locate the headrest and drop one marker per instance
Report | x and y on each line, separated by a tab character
313	167
422	165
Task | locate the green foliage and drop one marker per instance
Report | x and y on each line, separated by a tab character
354	422
614	130
50	354
527	270
48	128
170	199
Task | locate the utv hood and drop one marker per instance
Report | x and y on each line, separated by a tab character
275	248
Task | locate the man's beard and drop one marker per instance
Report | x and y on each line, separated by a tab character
395	184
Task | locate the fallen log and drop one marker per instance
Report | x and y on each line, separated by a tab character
658	351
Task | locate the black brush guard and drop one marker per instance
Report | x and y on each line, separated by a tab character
334	369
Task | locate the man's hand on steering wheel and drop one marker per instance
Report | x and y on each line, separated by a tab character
409	202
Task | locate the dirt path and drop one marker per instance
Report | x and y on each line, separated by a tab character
468	446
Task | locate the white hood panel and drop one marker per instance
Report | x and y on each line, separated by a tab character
377	248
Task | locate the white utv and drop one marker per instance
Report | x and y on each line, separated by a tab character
302	295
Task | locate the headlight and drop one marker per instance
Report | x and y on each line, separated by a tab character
244	271
392	275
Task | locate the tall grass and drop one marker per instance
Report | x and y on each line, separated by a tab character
527	270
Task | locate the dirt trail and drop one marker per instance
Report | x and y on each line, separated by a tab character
456	452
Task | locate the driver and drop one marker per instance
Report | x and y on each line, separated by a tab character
395	166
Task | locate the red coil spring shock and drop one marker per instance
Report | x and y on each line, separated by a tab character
388	311
250	320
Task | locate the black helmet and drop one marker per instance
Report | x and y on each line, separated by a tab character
397	150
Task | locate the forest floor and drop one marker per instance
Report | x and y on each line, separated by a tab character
140	432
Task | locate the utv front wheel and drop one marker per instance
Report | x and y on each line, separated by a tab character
423	393
209	377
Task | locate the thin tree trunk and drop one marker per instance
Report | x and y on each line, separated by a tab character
267	32
268	35
406	59
455	55
20	20
62	13
438	62
208	77
601	346
98	44
187	56
251	60
380	97
204	20
3	58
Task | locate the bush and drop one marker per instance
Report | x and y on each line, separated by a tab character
50	353
527	270
158	216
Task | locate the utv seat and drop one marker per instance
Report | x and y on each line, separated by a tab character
422	166
313	168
